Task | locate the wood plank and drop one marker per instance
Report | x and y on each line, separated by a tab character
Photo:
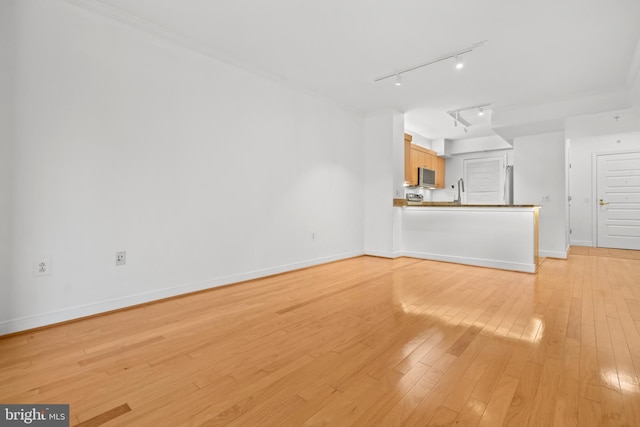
498	406
613	413
396	414
589	413
566	412
521	405
443	417
542	415
473	375
471	413
105	416
431	401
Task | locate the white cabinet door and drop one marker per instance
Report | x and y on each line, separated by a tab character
484	180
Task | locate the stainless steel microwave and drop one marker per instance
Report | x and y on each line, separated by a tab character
426	178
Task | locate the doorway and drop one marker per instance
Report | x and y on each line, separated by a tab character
618	200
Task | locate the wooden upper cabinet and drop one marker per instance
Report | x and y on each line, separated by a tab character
440	173
407	158
416	156
430	161
416	161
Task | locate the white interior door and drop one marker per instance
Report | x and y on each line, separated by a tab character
618	199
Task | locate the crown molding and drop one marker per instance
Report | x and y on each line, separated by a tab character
107	10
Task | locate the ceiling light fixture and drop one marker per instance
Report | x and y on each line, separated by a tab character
455	114
398	79
455	55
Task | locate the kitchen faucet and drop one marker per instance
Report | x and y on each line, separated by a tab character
460	186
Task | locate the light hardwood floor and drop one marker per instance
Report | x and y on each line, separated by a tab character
366	341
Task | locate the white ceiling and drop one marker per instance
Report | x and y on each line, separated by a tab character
537	52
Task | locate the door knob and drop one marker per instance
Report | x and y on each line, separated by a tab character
603	203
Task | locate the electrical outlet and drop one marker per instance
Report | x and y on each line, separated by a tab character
42	267
121	258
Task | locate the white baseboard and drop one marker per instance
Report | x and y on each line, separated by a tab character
553	254
71	313
515	266
588	243
383	254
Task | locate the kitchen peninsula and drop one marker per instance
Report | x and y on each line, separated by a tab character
496	236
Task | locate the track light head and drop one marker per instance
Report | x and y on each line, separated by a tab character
481	111
398	79
459	62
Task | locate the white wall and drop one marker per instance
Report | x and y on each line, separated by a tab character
203	173
581	154
384	178
7	58
539	171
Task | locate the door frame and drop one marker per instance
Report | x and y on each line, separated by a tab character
594	189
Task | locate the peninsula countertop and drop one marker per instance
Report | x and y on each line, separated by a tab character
404	202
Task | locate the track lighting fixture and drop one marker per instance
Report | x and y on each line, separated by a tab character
398	79
457	56
455	115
